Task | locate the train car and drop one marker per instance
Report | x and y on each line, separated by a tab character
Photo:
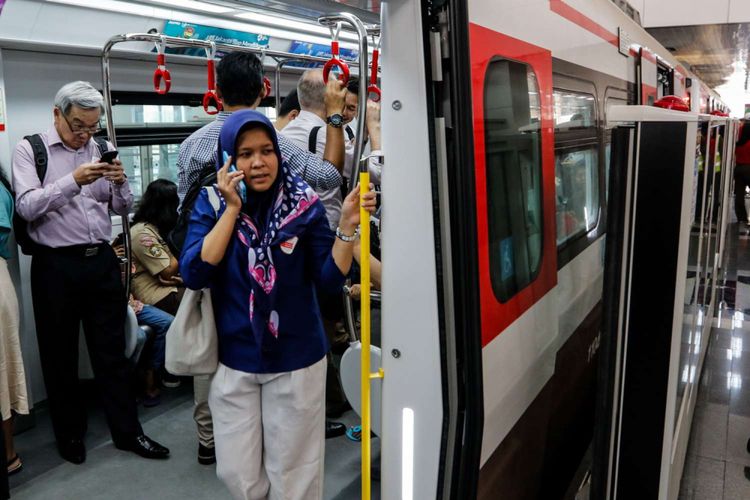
497	148
519	219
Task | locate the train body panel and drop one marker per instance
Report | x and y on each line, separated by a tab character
538	335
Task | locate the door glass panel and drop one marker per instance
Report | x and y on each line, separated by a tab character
513	160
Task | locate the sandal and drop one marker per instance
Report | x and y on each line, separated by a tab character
14	469
354	433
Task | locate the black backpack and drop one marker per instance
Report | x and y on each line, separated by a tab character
40	161
176	237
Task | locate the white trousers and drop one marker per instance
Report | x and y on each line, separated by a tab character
269	432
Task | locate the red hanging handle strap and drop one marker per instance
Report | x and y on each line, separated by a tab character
335	61
267	85
373	87
211	98
161	73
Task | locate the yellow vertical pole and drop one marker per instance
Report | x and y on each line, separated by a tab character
364	234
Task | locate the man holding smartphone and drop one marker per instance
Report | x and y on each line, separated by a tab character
75	275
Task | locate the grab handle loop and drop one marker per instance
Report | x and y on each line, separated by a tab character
161	73
267	85
373	87
211	98
335	60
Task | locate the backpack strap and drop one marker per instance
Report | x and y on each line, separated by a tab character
213	198
312	140
40	155
101	143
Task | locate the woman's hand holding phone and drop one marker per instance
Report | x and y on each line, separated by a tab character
227	182
241	188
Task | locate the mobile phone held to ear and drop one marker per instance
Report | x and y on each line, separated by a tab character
109	156
241	188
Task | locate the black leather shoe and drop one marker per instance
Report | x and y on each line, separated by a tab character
334	429
145	447
72	450
206	455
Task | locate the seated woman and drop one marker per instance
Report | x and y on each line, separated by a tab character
262	259
155	280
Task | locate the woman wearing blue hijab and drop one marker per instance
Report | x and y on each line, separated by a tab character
262	259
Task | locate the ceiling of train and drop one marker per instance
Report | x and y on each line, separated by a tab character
367	10
716	53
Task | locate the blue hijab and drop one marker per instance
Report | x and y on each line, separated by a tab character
267	219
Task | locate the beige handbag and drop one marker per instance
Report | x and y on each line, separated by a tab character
192	345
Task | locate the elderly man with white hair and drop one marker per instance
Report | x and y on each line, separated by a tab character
75	275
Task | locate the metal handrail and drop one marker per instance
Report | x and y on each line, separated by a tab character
361	30
182	42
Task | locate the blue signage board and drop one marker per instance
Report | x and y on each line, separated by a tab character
219	35
318	50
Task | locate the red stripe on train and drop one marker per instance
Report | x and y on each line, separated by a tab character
575	16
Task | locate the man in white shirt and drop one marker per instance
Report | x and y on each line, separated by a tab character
308	131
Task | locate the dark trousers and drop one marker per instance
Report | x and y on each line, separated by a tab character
68	289
741	181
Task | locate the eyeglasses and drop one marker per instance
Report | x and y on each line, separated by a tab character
77	129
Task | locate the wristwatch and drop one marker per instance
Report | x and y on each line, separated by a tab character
335	120
345	237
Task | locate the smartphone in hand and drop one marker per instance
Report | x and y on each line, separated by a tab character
109	156
241	188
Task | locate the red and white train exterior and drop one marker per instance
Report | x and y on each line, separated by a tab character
511	370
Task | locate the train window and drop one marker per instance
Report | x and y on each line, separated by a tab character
512	114
164	115
576	191
149	134
574	110
144	164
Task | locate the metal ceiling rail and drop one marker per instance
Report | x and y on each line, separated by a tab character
170	41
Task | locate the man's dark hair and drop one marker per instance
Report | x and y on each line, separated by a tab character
239	78
353	85
159	206
289	104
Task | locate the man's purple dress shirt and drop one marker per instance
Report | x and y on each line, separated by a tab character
60	212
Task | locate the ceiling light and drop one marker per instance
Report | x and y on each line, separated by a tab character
195	5
289	24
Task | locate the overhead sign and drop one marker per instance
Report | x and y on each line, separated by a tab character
192	31
318	50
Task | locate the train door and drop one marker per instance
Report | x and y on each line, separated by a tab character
640	445
646	77
511	90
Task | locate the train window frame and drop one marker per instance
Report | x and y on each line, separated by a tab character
148	140
595	147
507	286
573	139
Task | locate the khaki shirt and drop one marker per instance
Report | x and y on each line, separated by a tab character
150	256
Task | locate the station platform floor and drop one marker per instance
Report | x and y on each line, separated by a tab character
717	466
111	474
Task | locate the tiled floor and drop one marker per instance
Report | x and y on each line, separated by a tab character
717	466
